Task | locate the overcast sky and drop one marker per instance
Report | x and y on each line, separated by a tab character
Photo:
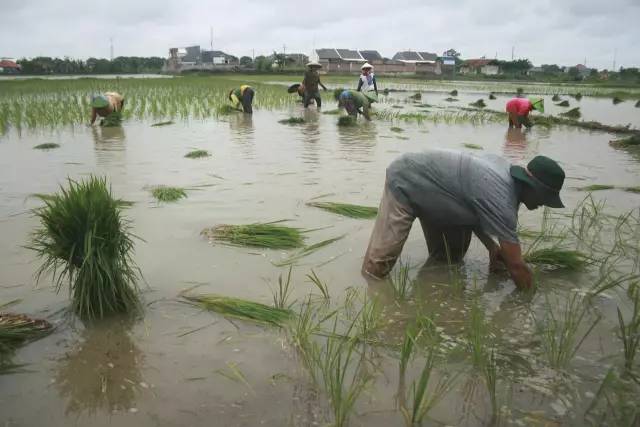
545	31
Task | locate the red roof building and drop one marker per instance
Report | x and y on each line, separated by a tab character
9	66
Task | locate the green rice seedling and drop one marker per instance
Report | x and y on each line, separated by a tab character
629	333
617	100
264	235
112	120
451	99
347	209
168	194
559	327
307	250
555	98
401	281
407	348
564	103
235	374
615	402
346	121
197	154
557	258
225	110
241	309
292	121
635	189
631	141
84	241
396	129
492	96
16	329
597	187
490	373
46	146
422	401
479	103
477	335
574	113
282	293
369	320
416	96
167	123
454	92
473	146
332	112
322	286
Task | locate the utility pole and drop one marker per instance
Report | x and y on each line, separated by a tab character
211	37
284	55
513	48
111	47
615	51
253	55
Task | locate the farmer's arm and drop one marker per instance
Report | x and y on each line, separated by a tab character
359	85
94	115
518	269
320	83
496	262
375	85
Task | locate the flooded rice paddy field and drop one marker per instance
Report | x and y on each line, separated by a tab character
177	365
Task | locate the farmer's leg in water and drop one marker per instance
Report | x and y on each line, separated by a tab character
247	100
390	231
446	244
318	99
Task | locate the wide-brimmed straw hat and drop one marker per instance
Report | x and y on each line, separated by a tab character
545	176
314	64
366	65
537	103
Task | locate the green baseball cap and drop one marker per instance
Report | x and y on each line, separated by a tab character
545	176
538	104
99	101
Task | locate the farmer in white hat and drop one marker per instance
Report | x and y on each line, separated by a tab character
367	81
310	82
104	104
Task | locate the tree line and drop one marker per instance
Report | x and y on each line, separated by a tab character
121	64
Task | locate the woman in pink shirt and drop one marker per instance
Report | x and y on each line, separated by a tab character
519	108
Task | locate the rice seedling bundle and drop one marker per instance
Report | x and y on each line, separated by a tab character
578	96
226	109
292	121
112	120
633	140
451	99
347	209
168	194
197	154
557	258
519	91
564	103
574	113
479	103
346	121
241	309
617	100
492	96
16	329
474	146
46	146
454	92
167	123
635	189
396	129
416	96
597	187
638	104
264	235
555	98
84	241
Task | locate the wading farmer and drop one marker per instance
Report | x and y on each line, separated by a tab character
367	81
310	84
455	194
242	96
355	102
105	104
519	109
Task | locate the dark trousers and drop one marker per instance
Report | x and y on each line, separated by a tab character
247	100
308	96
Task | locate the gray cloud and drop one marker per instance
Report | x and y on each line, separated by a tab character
564	32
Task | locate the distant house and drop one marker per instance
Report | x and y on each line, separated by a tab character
297	59
419	62
193	58
338	60
583	70
373	57
8	66
217	57
488	67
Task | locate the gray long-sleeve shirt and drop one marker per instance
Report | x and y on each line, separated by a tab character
458	189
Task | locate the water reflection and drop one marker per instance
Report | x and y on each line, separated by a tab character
515	144
311	137
102	374
109	144
359	141
242	133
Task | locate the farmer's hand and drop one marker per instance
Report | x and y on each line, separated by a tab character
496	262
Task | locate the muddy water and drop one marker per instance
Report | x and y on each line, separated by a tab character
163	369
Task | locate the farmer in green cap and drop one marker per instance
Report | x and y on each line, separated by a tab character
355	102
242	97
310	84
455	194
519	109
105	104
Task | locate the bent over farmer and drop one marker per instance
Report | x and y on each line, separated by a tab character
519	108
455	194
242	96
105	104
310	84
355	102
